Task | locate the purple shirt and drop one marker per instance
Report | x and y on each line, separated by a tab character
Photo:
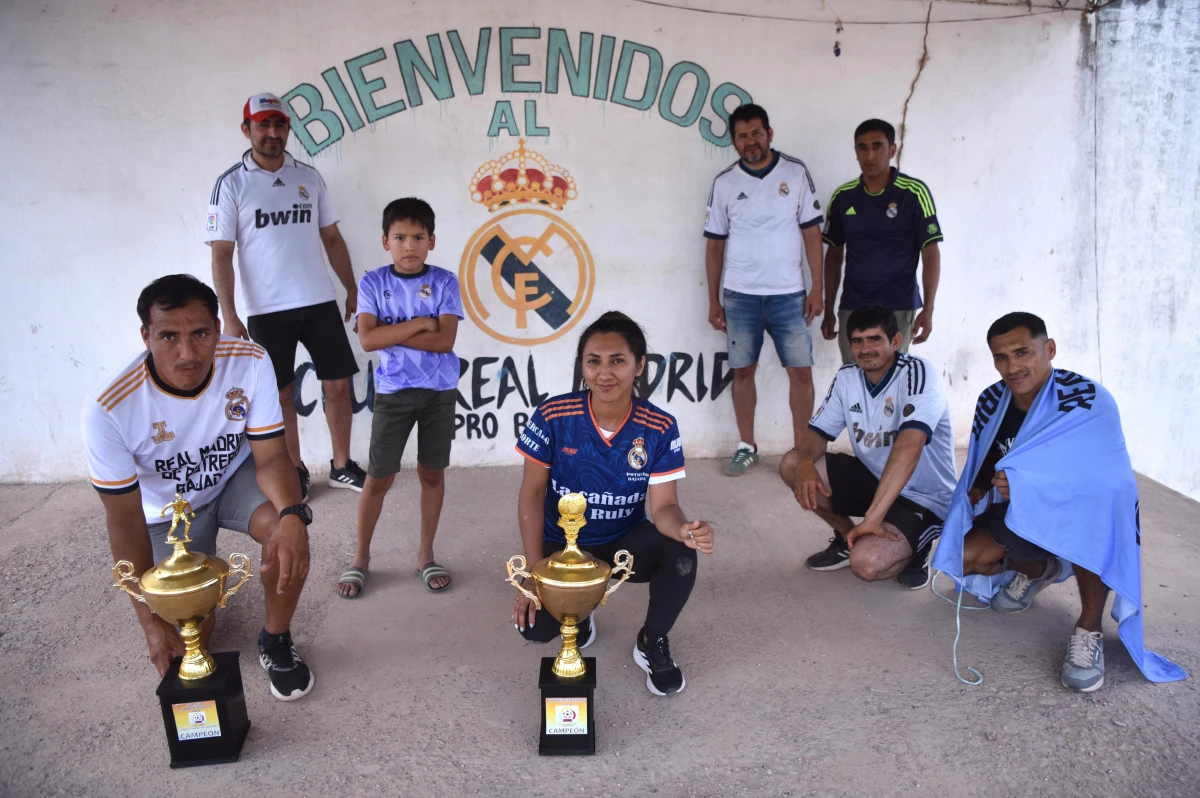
392	297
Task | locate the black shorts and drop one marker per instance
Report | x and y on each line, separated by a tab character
853	488
1016	548
319	327
392	420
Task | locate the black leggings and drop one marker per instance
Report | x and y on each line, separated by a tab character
668	565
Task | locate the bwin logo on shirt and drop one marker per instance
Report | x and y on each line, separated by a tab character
874	439
297	215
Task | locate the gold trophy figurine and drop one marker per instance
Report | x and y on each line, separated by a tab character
184	588
570	583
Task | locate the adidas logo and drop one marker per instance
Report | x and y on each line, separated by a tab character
856	408
742	196
851	211
277	184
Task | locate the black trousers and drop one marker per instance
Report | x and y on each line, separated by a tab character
668	565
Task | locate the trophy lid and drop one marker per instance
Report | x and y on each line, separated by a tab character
572	564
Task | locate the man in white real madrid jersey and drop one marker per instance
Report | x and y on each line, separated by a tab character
901	476
178	419
763	221
278	213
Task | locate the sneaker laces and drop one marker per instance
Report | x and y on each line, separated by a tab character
742	457
1082	649
836	545
355	468
1019	586
658	654
282	651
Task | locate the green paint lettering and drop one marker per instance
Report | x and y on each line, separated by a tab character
317	112
510	60
472	75
653	76
558	53
672	86
532	128
604	67
723	92
334	81
502	117
436	78
366	88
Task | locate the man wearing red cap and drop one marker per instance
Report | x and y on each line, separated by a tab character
276	211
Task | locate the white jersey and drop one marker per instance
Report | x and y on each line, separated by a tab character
761	216
275	218
910	396
140	433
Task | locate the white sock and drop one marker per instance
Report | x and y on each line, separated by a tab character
750	446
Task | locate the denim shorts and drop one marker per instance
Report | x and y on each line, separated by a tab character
747	316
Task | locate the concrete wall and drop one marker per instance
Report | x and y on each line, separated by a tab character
118	120
1147	216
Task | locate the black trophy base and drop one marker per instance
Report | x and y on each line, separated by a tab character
205	719
568	711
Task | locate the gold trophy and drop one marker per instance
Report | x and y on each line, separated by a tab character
570	584
204	708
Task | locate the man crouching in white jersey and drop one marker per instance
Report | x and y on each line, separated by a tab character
176	420
901	476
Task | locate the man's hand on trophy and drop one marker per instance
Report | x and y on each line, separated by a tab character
697	535
164	643
524	610
287	550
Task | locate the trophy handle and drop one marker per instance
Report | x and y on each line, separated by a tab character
516	567
123	573
623	561
239	564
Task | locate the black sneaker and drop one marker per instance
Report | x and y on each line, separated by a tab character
916	574
835	556
351	477
305	482
290	677
663	676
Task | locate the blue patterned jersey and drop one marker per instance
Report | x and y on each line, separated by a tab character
392	297
613	472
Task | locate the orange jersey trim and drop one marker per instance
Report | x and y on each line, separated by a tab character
657	416
617	431
667	473
561	404
239	354
119	483
651	423
530	457
259	430
578	412
121	383
132	389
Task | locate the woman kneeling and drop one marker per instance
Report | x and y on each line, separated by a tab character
617	450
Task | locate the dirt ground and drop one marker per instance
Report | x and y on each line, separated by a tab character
798	683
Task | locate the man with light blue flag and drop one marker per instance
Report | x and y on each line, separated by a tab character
1048	489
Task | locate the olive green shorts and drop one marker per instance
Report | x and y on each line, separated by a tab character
395	414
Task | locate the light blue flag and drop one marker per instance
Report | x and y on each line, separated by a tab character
1072	492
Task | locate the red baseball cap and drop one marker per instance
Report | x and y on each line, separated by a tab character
261	106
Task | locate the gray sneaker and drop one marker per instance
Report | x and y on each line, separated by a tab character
1018	594
1083	668
742	459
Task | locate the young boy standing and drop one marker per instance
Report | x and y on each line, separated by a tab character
408	312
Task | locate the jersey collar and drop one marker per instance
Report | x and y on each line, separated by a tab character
760	173
875	390
424	271
250	165
167	389
862	181
609	438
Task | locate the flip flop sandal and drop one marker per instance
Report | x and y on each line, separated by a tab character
354	576
430	571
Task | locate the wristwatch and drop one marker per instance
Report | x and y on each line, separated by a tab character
302	510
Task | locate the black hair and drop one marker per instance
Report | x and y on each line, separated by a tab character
748	113
876	125
868	317
174	291
409	209
1011	321
614	321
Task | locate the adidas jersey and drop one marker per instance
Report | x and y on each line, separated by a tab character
910	396
275	218
613	471
761	214
883	234
393	297
140	433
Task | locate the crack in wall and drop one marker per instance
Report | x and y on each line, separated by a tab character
913	86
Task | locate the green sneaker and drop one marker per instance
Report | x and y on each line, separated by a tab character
742	459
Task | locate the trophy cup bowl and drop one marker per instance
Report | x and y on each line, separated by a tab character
570	583
184	587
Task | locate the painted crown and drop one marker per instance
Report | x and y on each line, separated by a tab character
522	176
